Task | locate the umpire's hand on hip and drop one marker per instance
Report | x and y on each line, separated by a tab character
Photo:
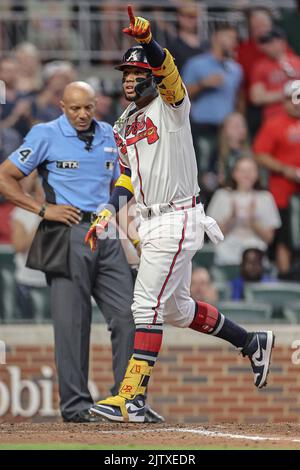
97	228
68	215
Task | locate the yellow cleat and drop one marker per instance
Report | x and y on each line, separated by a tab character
129	405
120	409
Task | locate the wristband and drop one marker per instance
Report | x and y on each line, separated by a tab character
43	210
135	242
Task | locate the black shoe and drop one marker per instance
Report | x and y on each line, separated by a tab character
83	417
258	348
152	417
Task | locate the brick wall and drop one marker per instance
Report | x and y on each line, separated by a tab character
197	378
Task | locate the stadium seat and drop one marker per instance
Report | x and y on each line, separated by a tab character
225	273
278	294
204	258
41	304
7	255
8	304
246	312
7	268
292	312
224	290
97	316
294	220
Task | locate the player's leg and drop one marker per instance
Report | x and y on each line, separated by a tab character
162	263
113	293
71	313
182	311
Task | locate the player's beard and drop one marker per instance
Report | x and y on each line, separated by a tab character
130	98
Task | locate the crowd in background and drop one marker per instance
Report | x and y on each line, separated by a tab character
244	118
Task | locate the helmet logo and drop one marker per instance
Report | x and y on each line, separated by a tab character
133	57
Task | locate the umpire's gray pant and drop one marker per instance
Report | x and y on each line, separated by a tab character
104	274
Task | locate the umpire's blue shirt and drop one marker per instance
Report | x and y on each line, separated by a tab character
71	174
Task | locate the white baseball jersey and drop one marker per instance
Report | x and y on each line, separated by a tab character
155	142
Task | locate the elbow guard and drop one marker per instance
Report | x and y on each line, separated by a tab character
168	80
125	182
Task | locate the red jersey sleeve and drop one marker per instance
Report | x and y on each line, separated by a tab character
265	140
258	74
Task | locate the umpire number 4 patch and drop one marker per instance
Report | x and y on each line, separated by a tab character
24	155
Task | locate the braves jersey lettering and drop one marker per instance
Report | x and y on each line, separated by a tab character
141	129
156	144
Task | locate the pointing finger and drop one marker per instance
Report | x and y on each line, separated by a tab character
130	14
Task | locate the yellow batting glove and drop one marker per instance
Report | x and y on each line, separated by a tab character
97	228
139	28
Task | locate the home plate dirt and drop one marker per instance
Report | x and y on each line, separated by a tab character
254	436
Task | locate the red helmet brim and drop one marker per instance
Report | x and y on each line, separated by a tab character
140	65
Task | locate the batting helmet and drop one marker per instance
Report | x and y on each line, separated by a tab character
135	57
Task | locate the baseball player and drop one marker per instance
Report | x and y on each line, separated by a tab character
159	168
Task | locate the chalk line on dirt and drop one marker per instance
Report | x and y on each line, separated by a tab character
206	433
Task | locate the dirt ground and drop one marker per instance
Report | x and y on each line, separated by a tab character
265	436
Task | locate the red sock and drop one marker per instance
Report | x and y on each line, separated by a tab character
147	342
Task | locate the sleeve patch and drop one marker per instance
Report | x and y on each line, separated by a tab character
110	149
24	154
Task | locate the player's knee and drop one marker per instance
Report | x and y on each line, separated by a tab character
146	313
181	314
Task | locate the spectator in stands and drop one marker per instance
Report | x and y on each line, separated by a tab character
46	105
247	216
252	270
51	29
202	287
233	144
105	92
108	32
24	226
187	42
213	81
15	113
290	22
271	73
10	139
277	148
29	77
249	52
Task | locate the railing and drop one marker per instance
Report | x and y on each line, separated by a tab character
89	32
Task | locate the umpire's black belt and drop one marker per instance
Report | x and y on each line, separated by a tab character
88	217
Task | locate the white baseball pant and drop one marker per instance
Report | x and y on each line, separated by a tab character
162	289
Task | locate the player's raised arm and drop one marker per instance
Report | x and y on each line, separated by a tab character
165	72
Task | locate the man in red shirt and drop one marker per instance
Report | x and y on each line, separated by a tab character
272	72
249	51
277	148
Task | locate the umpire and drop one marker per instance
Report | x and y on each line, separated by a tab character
77	160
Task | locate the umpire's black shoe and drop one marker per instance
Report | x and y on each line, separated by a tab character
258	348
152	417
83	417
